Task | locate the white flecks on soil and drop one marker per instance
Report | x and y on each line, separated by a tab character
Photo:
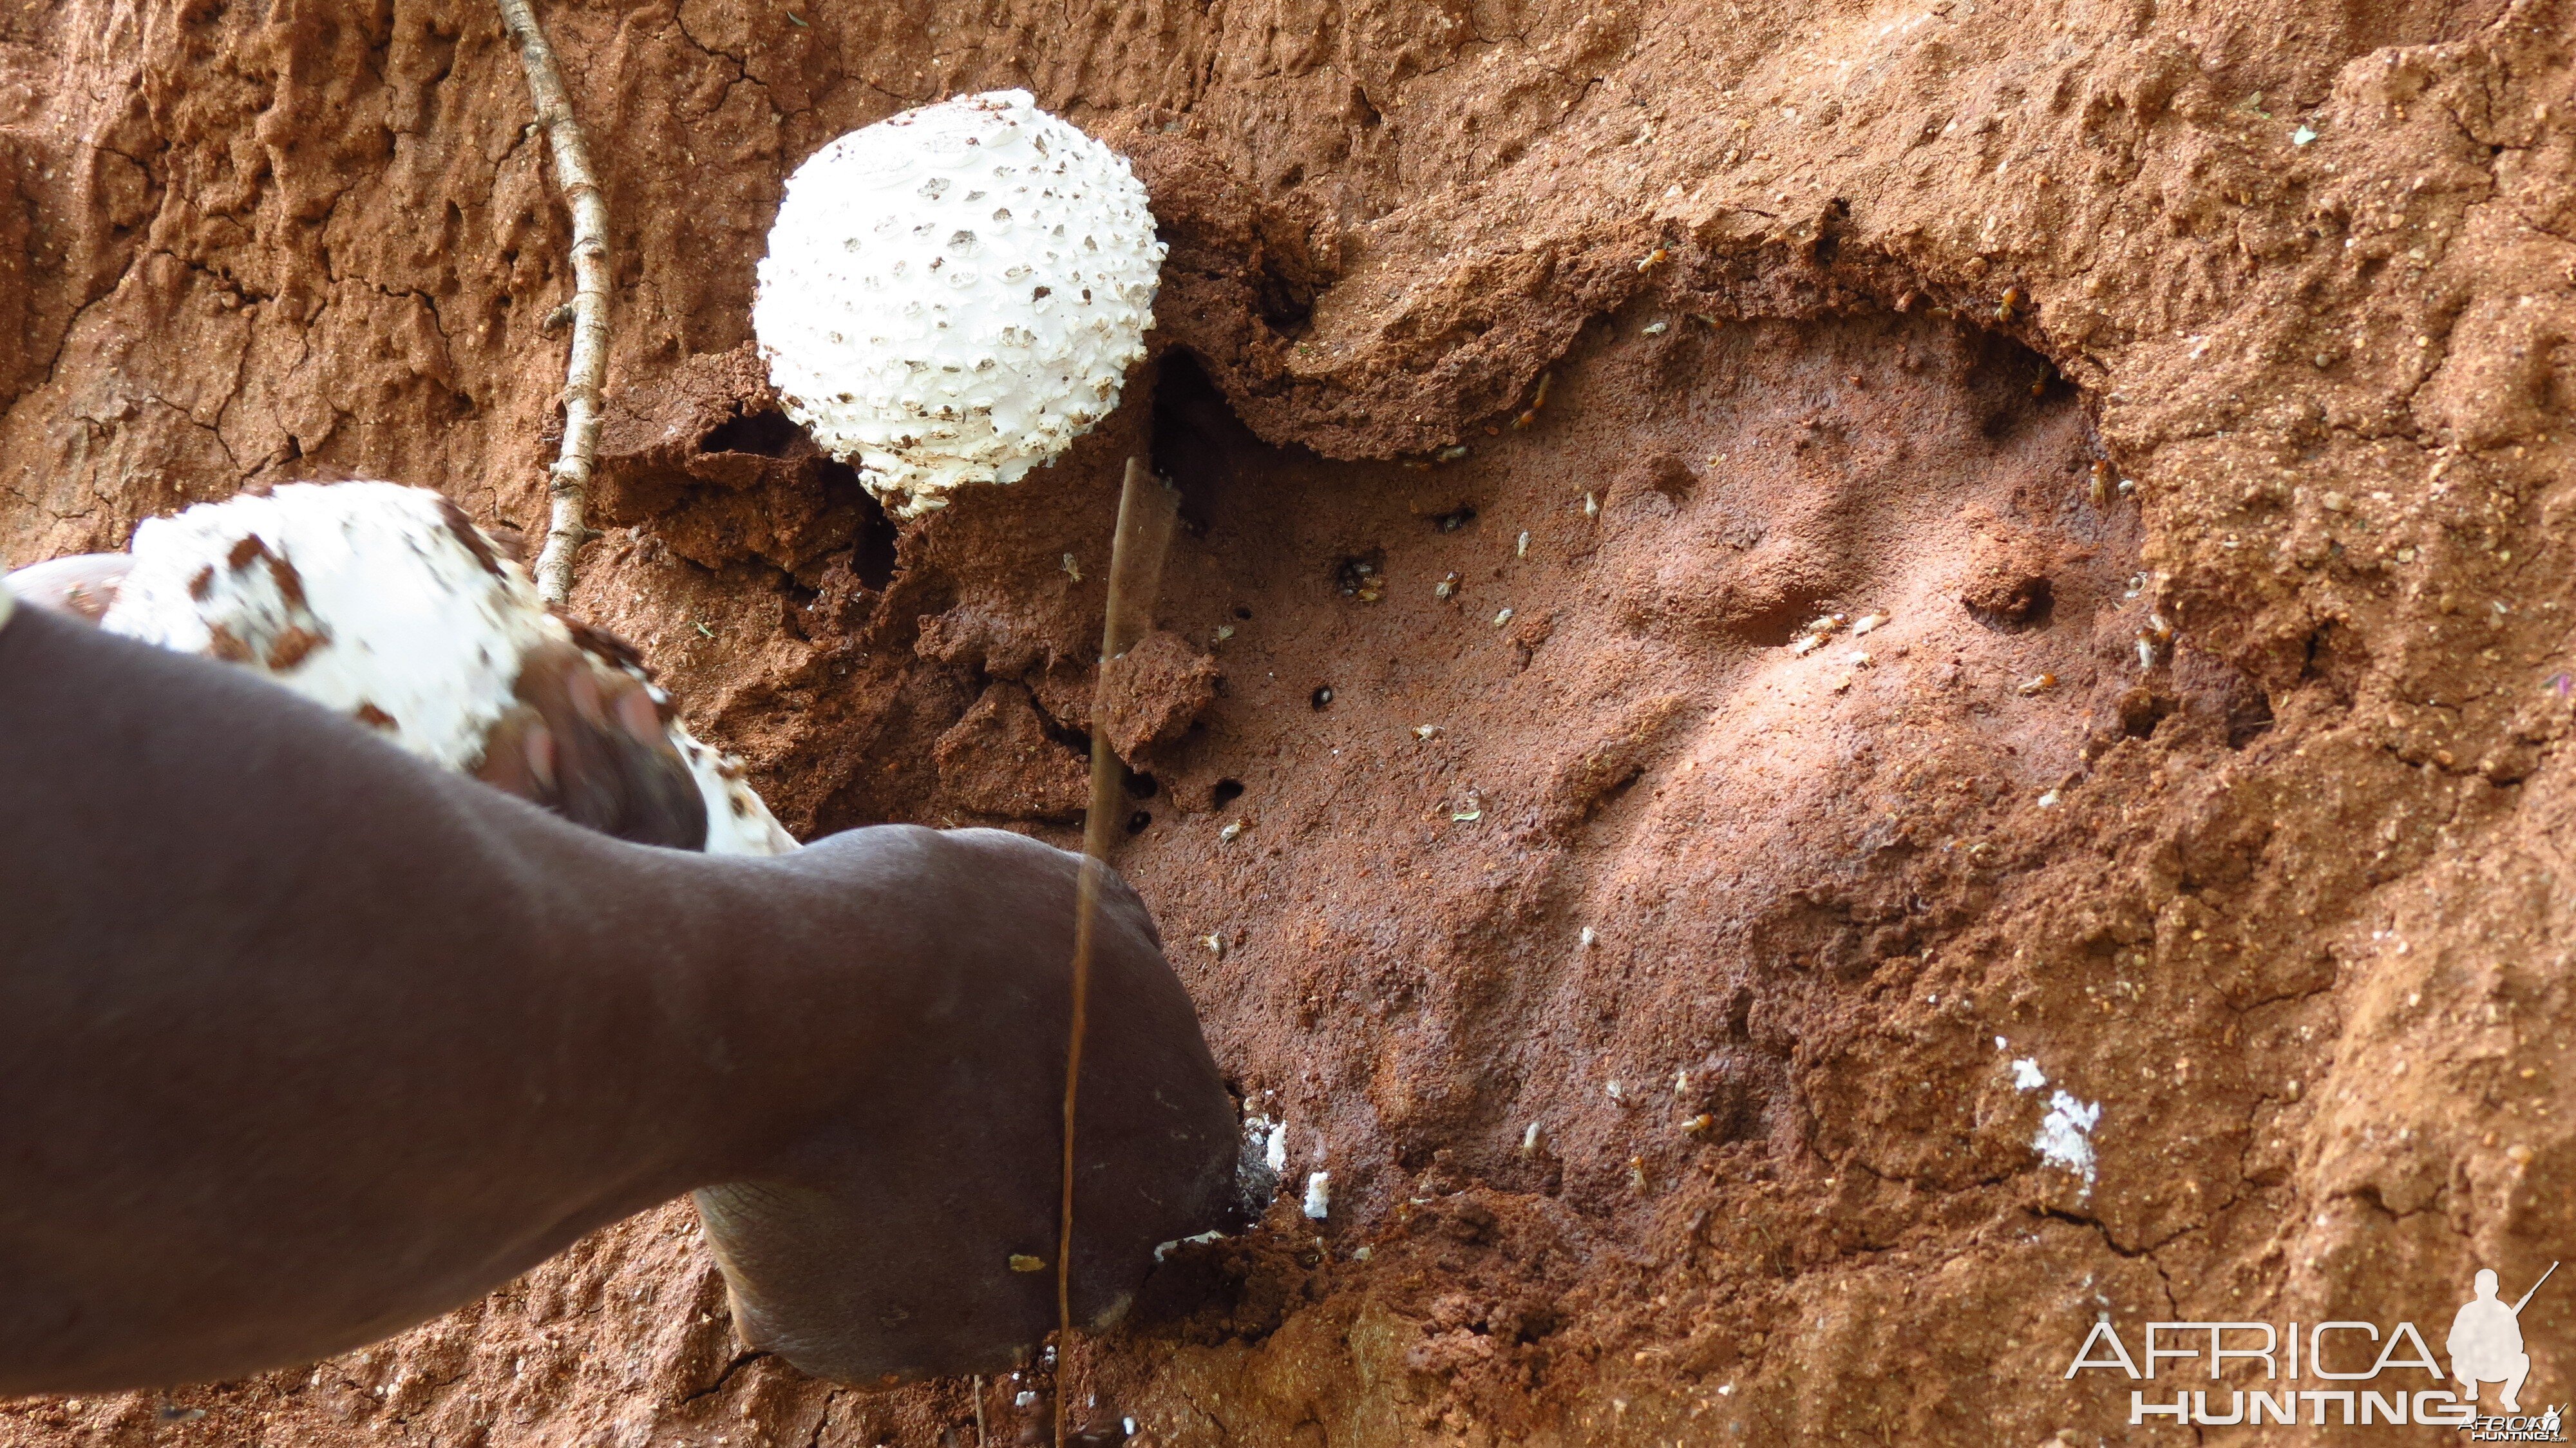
2065	1136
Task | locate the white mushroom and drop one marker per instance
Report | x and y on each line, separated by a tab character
386	604
954	294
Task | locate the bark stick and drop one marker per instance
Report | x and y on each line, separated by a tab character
568	481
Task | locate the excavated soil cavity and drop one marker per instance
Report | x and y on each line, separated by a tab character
1845	687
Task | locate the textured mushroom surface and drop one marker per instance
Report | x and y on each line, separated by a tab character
385	603
954	294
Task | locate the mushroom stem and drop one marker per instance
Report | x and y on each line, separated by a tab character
1147	508
568	481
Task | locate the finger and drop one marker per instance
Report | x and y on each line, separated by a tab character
573	744
518	757
637	713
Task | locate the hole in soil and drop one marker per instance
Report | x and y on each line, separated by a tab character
1362	576
1455	519
1291	277
766	434
2249	716
2026	605
872	553
1190	417
1142	786
1136	822
2141	710
1227	791
1288	305
1242	613
1779	622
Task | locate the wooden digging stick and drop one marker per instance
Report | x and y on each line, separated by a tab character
1147	507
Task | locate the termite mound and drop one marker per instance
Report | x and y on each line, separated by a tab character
1674	739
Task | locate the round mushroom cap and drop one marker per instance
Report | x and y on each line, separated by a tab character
955	294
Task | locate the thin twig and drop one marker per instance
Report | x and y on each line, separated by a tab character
568	481
1146	511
